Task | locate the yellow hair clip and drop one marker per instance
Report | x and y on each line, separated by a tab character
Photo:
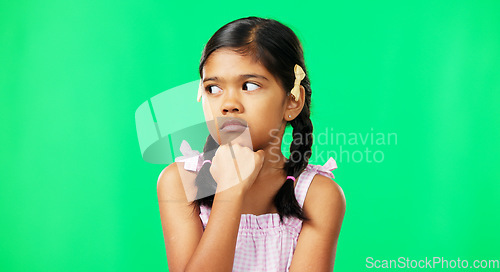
299	76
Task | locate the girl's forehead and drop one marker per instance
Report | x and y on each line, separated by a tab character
225	62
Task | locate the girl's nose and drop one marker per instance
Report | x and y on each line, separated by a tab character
231	103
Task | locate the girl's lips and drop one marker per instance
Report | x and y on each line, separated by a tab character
234	125
233	128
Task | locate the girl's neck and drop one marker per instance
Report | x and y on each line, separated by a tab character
273	165
259	199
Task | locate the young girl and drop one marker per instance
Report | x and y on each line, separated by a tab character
273	213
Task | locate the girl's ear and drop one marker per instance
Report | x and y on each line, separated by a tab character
293	108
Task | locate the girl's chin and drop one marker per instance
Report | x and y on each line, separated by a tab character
242	142
240	138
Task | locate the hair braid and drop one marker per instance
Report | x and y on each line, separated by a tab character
300	152
204	180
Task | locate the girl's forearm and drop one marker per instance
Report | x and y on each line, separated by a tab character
215	251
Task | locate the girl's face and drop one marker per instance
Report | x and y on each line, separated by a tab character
236	86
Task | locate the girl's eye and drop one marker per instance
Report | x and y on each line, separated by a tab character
249	86
213	89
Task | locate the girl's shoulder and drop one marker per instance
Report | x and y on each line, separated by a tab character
169	179
324	195
178	180
313	176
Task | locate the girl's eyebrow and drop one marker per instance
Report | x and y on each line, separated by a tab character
253	75
211	78
245	76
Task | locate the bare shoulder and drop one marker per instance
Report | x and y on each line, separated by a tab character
325	197
169	185
169	172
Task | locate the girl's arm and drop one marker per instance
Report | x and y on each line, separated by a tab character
188	247
317	244
215	252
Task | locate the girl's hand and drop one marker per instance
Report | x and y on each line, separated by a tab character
235	166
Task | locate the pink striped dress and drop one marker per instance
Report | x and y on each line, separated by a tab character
264	243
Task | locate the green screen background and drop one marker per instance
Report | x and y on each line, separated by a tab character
76	194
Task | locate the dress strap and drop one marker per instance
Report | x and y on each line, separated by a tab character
307	176
193	159
327	168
